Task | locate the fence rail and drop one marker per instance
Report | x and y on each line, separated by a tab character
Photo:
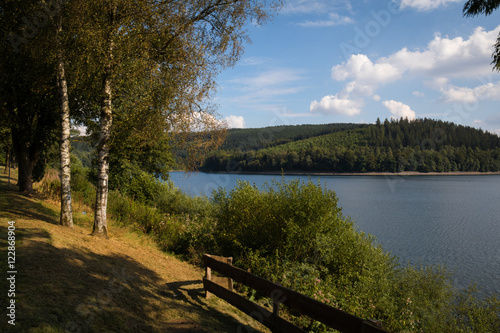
330	316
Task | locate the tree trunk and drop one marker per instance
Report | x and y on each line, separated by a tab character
26	165
64	150
100	223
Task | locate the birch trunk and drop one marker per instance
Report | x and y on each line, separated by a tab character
66	206
100	223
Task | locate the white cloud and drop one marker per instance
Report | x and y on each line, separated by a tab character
487	91
418	94
426	4
365	75
399	110
443	58
376	98
334	105
233	121
457	57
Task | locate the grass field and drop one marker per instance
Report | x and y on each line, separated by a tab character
68	281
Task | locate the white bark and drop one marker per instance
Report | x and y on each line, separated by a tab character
66	205
100	223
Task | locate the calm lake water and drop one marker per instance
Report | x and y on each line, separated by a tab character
450	220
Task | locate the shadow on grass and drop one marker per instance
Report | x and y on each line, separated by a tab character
74	290
77	290
16	205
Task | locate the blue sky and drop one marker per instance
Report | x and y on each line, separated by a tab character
327	61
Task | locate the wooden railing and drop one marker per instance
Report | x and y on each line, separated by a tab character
330	316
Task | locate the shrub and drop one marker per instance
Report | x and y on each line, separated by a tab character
82	189
50	184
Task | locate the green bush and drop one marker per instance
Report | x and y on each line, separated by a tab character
474	312
82	189
294	233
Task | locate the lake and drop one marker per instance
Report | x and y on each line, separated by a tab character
449	220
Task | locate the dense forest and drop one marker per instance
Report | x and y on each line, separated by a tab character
421	145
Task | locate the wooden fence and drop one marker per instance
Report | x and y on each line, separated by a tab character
330	316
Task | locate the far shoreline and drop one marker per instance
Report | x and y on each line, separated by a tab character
387	174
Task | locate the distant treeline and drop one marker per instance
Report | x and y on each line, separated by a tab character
422	145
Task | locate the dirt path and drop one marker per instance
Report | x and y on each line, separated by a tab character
68	281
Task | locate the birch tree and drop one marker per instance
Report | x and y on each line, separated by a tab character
66	217
180	45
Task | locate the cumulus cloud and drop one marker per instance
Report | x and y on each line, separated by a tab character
366	76
332	104
426	4
442	58
488	91
399	110
233	121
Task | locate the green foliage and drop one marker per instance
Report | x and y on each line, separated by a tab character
258	138
134	182
476	313
82	149
82	189
282	219
422	145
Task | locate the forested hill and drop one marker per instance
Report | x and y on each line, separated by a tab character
422	145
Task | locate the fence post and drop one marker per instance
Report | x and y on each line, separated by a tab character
208	276
230	281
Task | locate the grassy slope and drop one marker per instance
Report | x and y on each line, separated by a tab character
70	281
